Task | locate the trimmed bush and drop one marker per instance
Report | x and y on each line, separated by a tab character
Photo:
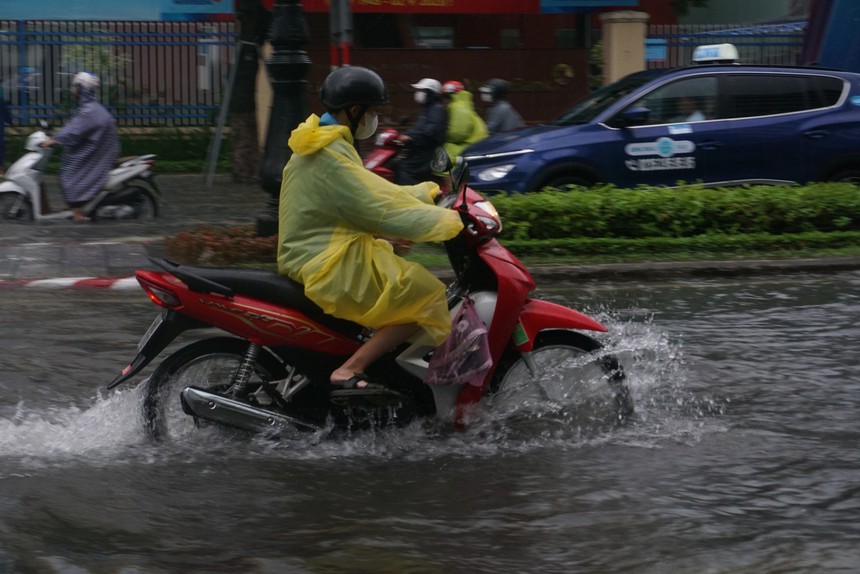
607	221
686	211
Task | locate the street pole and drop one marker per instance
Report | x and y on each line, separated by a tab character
287	67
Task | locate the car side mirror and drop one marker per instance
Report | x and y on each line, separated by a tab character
634	116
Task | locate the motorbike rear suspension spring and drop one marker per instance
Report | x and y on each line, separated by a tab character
243	373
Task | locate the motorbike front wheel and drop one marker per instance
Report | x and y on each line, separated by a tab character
15	207
565	370
208	364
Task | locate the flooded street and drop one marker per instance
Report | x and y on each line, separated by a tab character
742	457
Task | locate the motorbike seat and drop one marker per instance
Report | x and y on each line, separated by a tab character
274	288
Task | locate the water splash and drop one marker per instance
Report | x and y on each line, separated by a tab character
96	433
111	430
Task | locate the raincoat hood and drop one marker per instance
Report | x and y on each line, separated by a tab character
463	96
86	95
310	137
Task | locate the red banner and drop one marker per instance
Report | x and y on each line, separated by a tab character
432	6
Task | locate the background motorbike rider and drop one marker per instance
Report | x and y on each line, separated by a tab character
331	211
426	135
501	115
465	126
90	143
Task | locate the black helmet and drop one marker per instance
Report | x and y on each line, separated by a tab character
353	85
497	87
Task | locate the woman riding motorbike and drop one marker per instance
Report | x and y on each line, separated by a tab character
91	145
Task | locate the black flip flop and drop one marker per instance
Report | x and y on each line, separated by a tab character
372	395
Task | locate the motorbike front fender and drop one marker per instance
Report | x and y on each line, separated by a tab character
538	315
6	186
171	325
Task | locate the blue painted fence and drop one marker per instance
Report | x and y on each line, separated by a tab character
153	73
775	44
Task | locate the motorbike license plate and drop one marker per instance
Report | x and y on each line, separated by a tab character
159	319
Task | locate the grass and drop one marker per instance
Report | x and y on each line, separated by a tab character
434	257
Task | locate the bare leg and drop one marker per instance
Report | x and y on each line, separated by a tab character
378	344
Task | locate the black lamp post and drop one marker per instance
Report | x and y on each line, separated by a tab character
287	67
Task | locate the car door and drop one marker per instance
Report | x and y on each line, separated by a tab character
764	116
659	139
831	131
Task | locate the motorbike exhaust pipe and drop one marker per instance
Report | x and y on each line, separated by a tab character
230	412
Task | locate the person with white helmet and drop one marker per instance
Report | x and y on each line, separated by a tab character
90	143
5	118
426	135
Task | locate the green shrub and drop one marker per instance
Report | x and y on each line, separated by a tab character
622	223
685	211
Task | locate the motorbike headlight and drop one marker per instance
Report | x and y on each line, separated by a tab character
487	208
494	222
495	172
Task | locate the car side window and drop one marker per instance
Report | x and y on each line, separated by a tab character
824	91
682	101
769	94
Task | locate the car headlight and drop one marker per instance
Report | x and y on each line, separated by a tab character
495	172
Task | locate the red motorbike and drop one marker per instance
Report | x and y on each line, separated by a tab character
386	152
272	371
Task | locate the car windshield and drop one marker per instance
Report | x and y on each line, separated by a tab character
590	107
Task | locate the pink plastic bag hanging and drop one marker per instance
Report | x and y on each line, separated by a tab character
464	357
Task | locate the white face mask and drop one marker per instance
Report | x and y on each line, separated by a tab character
420	97
486	97
367	126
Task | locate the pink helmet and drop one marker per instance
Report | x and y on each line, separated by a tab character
452	87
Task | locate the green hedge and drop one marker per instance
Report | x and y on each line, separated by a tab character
686	211
658	247
178	150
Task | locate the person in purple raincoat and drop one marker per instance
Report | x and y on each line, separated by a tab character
5	118
90	143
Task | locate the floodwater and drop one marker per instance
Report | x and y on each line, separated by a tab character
743	456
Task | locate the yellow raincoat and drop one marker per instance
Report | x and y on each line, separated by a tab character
330	211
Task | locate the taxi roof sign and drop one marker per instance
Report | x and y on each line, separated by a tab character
716	54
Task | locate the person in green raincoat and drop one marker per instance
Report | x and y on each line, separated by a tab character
333	211
465	126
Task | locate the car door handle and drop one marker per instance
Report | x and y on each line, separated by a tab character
816	134
710	145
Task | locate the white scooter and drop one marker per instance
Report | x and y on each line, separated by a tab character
130	193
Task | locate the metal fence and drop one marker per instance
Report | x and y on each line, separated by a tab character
773	44
175	73
153	73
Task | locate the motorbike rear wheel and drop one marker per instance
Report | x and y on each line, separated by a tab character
15	207
146	206
208	364
565	368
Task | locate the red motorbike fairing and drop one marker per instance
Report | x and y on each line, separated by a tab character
252	319
533	315
539	316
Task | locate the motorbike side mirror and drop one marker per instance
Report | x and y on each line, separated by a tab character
462	176
440	162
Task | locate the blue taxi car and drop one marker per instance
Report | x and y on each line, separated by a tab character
719	124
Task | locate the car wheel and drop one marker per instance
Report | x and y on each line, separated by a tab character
564	180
